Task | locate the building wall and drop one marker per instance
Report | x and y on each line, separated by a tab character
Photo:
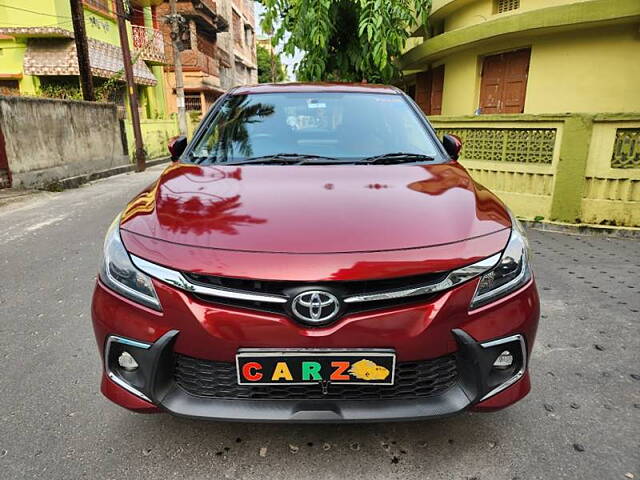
593	71
463	13
243	69
51	13
584	53
207	76
582	71
44	146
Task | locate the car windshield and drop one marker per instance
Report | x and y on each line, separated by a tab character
341	127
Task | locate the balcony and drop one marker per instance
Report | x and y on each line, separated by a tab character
203	12
150	43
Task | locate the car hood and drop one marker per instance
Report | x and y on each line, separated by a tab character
314	208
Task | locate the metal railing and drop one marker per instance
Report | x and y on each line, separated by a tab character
150	42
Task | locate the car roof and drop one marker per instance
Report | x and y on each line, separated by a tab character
315	87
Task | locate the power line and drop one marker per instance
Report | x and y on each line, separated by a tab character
136	9
10	24
33	11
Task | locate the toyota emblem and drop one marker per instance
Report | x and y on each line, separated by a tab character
315	306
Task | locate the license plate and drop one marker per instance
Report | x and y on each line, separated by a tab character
300	367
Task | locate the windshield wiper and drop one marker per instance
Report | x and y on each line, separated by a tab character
398	157
287	159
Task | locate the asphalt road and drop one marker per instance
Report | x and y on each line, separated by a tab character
581	421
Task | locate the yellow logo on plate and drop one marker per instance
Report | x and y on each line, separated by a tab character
368	370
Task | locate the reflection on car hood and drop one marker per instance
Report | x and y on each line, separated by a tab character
315	209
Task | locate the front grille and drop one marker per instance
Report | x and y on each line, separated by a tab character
413	380
341	289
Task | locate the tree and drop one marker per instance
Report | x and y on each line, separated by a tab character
349	40
270	67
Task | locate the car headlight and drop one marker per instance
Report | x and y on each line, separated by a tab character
118	273
511	272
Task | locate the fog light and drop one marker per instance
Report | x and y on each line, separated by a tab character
126	361
504	360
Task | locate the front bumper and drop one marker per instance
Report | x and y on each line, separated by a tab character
153	382
441	327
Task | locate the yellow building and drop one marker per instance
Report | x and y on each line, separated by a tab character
545	95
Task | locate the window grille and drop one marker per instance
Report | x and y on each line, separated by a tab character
103	5
626	148
520	145
193	102
507	5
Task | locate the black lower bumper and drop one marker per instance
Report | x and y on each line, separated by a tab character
477	380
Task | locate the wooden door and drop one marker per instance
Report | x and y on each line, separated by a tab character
429	87
423	91
437	86
504	82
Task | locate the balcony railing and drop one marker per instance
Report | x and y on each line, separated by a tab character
150	42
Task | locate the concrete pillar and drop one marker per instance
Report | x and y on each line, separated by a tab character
570	173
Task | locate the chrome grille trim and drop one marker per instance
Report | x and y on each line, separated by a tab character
454	278
177	279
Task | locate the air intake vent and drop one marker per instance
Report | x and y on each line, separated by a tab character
507	5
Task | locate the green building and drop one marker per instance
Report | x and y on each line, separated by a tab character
38	53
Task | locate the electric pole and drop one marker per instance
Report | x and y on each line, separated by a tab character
176	30
82	49
131	87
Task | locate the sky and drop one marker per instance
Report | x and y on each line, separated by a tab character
287	60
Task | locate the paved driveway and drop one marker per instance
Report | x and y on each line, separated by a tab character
581	421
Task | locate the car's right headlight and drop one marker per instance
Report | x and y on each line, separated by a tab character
118	273
512	271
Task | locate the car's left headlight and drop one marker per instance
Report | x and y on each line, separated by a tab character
118	273
511	272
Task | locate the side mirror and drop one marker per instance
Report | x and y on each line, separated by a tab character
452	144
176	146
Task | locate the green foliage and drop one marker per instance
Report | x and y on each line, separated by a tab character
270	67
68	88
349	40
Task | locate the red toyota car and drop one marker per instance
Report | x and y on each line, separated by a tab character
315	254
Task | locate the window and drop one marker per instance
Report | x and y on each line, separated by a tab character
9	87
345	126
504	82
193	102
502	6
102	5
206	46
237	29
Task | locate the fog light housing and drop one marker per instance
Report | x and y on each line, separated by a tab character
127	362
504	360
